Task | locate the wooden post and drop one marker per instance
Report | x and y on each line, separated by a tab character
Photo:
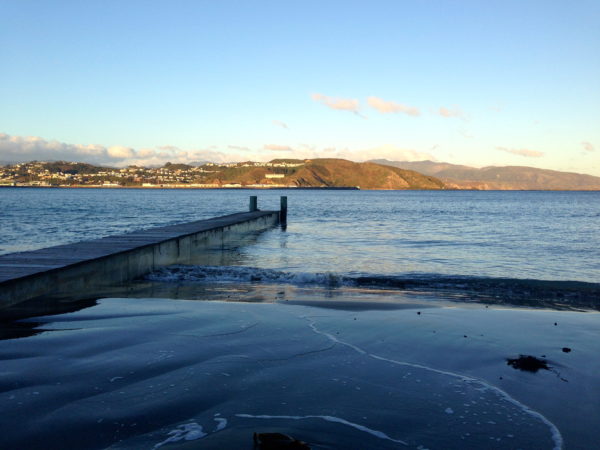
253	203
283	211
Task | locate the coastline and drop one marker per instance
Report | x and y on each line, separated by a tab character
295	188
99	186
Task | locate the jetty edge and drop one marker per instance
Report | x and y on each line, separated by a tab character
89	265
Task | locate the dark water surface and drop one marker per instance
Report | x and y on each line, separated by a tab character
371	333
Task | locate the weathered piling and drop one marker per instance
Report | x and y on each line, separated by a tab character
253	203
283	211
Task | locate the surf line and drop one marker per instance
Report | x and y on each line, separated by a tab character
376	433
555	432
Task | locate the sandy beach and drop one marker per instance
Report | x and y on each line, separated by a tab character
193	374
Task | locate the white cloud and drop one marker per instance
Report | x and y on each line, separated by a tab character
344	104
448	113
464	133
387	151
21	149
277	147
281	124
28	148
145	153
240	148
522	152
120	152
384	106
587	146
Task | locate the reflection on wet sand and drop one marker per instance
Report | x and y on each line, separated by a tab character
140	373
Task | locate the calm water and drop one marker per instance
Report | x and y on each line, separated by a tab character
536	235
141	372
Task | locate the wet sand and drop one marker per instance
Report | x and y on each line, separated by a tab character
159	373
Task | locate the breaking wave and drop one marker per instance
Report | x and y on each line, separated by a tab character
558	294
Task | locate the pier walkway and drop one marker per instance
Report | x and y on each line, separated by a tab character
111	260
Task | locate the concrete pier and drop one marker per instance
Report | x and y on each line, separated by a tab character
89	265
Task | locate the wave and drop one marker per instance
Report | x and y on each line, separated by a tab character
553	293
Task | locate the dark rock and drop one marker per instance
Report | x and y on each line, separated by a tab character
528	363
278	441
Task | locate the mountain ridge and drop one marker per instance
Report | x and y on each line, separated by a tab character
457	176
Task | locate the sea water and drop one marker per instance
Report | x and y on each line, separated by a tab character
539	235
356	352
464	244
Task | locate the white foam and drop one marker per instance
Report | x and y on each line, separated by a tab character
245	274
376	433
221	423
185	432
484	386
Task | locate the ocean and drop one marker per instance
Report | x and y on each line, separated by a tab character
375	319
464	244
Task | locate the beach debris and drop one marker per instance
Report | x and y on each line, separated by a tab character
566	349
528	363
278	441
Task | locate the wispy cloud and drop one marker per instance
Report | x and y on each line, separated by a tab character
464	133
387	151
385	107
240	148
281	124
522	152
343	104
278	148
449	113
587	146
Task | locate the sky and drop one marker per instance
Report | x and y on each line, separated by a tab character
478	83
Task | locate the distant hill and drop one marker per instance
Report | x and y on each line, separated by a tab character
368	175
501	178
276	173
330	173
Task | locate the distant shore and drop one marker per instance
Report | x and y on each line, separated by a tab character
166	186
297	188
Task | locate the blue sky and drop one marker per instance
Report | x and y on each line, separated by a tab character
468	82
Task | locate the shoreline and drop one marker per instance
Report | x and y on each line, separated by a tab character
301	188
293	188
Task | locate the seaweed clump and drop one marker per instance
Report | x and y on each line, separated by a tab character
528	363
